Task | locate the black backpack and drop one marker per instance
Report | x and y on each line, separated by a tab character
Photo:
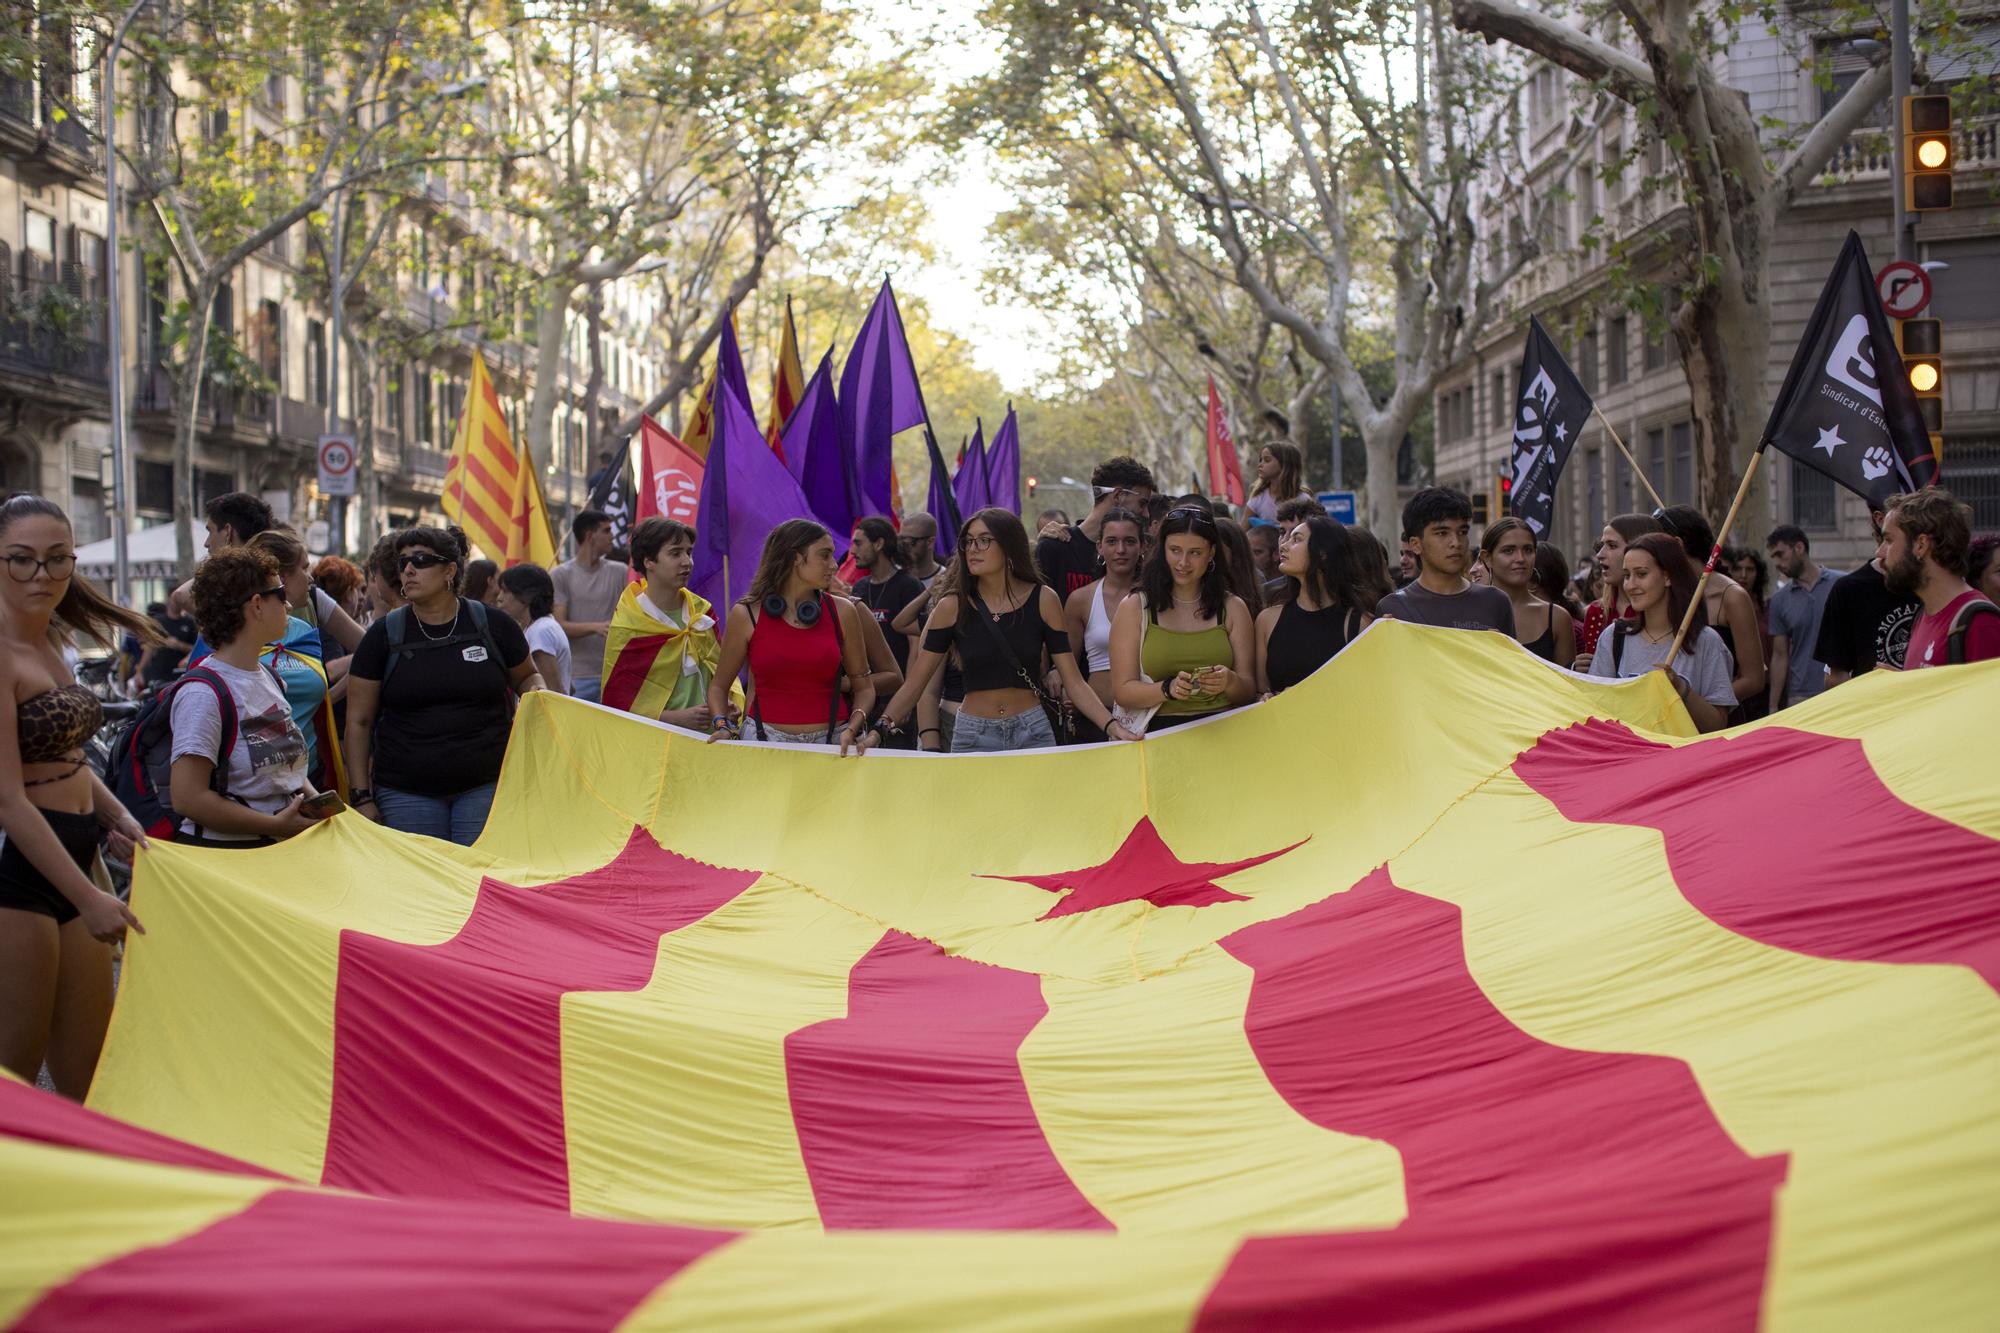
1961	625
397	626
140	764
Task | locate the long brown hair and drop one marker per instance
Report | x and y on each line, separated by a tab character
1291	471
83	609
782	549
1631	527
1006	528
1666	552
1156	580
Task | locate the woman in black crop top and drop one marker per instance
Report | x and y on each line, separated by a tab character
1001	622
1324	608
56	924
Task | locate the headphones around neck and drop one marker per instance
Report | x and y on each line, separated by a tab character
808	612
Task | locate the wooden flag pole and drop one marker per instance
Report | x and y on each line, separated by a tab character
1687	620
1637	471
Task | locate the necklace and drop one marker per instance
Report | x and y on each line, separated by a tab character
438	638
1649	636
1187	601
1010	608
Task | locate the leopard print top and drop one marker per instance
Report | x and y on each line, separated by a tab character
54	724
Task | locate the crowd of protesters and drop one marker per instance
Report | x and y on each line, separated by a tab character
283	689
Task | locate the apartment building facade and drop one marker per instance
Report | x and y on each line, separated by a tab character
1631	367
55	436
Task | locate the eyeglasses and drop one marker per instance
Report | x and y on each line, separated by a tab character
983	542
419	560
23	567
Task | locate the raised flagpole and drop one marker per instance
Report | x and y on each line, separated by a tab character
1721	536
1637	471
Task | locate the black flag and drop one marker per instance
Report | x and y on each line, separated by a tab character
1549	413
1846	409
613	495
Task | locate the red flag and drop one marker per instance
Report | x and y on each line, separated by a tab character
1225	465
669	476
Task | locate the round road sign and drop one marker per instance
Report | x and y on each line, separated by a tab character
1904	288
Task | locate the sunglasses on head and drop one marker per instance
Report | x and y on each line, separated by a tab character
419	560
1200	516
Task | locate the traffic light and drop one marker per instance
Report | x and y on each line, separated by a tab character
1479	507
1504	488
1922	343
1031	488
1927	154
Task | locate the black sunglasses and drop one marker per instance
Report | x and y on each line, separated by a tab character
419	560
277	592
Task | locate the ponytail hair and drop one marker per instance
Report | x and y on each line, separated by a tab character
83	609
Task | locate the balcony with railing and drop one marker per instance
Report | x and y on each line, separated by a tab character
49	325
1868	154
299	421
48	120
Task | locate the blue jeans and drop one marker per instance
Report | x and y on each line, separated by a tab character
457	818
587	686
1028	730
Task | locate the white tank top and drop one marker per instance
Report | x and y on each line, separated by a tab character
1097	633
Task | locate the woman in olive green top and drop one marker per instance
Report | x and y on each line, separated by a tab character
1185	644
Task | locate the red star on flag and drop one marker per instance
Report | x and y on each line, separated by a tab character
1143	869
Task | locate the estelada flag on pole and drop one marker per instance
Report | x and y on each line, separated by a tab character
1225	466
490	490
1846	410
788	383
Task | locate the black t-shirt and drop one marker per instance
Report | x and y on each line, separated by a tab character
1864	624
161	661
1068	563
886	599
442	724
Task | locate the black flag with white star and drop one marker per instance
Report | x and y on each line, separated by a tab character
613	495
1551	410
1847	410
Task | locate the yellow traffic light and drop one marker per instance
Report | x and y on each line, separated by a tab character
1921	342
1927	152
1923	376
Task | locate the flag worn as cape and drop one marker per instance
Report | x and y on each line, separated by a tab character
1847	410
644	659
1550	411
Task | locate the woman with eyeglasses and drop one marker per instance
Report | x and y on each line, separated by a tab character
430	697
1185	647
251	794
1002	620
56	924
803	648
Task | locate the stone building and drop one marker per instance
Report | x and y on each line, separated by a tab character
1635	376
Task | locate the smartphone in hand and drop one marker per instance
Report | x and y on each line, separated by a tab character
322	806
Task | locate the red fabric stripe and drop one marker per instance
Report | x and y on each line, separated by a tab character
42	1117
500	448
500	491
629	669
447	1066
1570	1188
489	531
1840	868
912	1111
302	1260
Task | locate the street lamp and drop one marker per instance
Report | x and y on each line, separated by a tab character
121	473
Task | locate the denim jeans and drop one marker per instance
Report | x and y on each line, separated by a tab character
587	686
1028	730
457	818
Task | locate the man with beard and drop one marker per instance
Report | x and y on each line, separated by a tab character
1864	625
1925	544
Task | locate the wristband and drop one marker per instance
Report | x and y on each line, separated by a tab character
360	796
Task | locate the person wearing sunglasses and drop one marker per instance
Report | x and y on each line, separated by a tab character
1185	647
430	697
1067	556
249	795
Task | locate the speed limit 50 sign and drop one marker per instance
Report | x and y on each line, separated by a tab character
336	464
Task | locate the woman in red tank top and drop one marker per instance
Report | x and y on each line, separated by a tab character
803	648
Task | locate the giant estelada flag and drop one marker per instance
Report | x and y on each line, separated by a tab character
1544	1029
1846	408
1550	410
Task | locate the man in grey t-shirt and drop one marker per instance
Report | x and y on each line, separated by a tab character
587	591
1438	521
1796	609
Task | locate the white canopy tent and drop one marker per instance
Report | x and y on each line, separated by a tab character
149	552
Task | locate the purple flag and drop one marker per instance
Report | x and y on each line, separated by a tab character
1003	465
729	362
745	492
970	483
824	470
878	397
940	510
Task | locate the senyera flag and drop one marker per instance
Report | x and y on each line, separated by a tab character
490	488
788	383
1846	409
1512	1021
1550	411
1225	465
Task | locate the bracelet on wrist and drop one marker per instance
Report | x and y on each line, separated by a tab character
360	796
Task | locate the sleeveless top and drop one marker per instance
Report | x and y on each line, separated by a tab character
1097	634
1304	641
53	725
1168	652
797	671
1544	644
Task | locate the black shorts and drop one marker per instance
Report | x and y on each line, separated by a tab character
27	889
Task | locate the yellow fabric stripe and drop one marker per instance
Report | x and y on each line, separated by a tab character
678	1107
